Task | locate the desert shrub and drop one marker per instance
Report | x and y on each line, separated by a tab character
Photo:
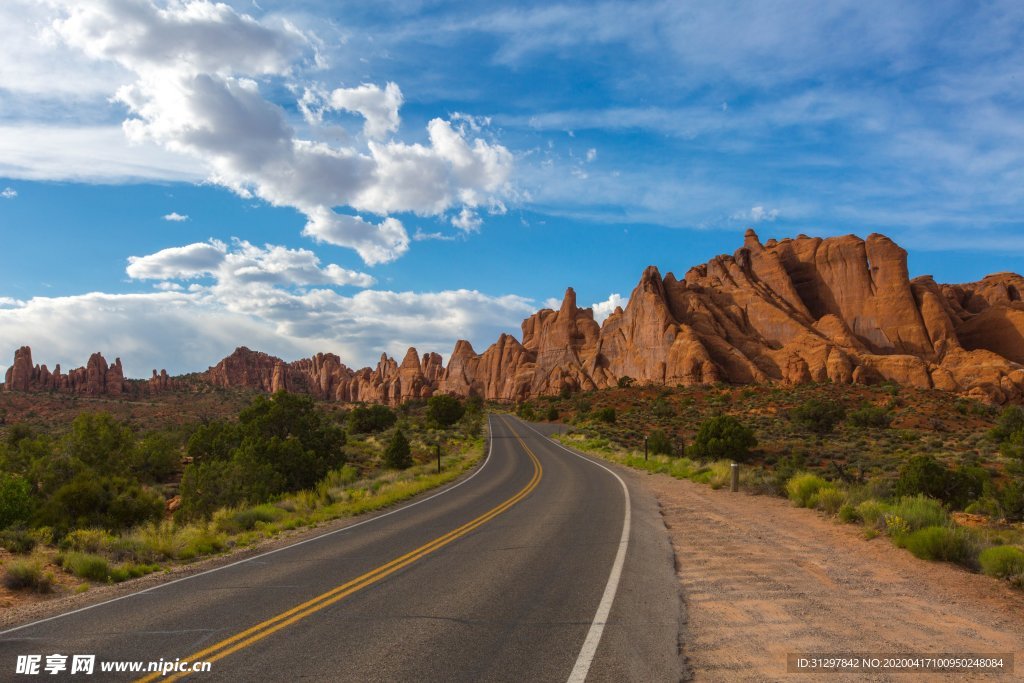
848	514
552	414
397	454
444	410
526	412
870	416
156	458
661	408
723	437
281	443
873	513
802	488
658	443
828	499
87	540
371	418
103	502
98	569
27	575
195	541
942	543
920	512
245	520
16	501
1002	561
606	415
818	416
86	566
625	381
1010	423
925	475
17	540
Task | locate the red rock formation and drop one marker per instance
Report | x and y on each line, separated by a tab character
97	378
840	310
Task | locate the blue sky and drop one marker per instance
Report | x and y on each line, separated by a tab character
181	177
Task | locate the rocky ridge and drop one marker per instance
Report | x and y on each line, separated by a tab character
794	311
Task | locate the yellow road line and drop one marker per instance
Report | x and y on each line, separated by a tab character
262	630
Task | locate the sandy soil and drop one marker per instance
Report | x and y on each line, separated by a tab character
762	578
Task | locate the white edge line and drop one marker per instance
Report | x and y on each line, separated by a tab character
490	438
593	639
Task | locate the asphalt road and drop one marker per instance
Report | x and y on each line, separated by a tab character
498	578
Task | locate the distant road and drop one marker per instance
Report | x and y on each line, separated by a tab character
529	570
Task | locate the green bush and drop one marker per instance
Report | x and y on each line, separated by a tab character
920	512
1003	561
552	414
925	475
246	520
445	410
659	443
606	415
722	437
86	566
525	411
371	418
828	499
803	487
104	502
18	541
873	513
1011	422
16	502
942	543
27	574
397	455
281	443
625	382
870	416
848	514
820	417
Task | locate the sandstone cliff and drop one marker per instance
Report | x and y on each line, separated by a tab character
840	310
97	378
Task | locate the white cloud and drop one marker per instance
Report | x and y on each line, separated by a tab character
175	217
591	155
9	193
378	107
603	309
198	69
467	221
95	154
244	265
756	214
188	331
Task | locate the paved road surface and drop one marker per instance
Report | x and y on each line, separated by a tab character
498	578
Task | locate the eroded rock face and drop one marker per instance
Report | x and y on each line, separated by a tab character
793	311
97	378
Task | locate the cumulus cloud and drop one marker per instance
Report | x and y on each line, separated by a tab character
175	217
378	107
603	309
9	193
243	265
757	214
198	67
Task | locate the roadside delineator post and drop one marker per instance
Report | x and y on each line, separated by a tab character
439	457
734	484
645	449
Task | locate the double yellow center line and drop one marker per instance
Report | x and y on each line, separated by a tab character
260	631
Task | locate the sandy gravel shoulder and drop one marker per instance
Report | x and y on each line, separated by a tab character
762	578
